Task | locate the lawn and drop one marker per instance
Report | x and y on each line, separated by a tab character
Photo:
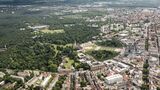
73	16
93	46
68	63
52	31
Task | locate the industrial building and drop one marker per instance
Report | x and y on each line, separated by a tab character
114	79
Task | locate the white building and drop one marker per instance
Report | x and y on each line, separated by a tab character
2	74
2	83
46	80
18	77
114	78
119	67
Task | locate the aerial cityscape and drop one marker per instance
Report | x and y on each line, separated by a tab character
79	45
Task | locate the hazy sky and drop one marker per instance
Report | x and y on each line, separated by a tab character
157	2
139	1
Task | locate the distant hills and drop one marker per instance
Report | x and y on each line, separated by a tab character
17	2
135	3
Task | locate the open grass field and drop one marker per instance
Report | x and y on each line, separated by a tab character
73	16
52	31
92	46
68	63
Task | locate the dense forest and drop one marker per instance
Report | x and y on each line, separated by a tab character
79	33
35	55
44	52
